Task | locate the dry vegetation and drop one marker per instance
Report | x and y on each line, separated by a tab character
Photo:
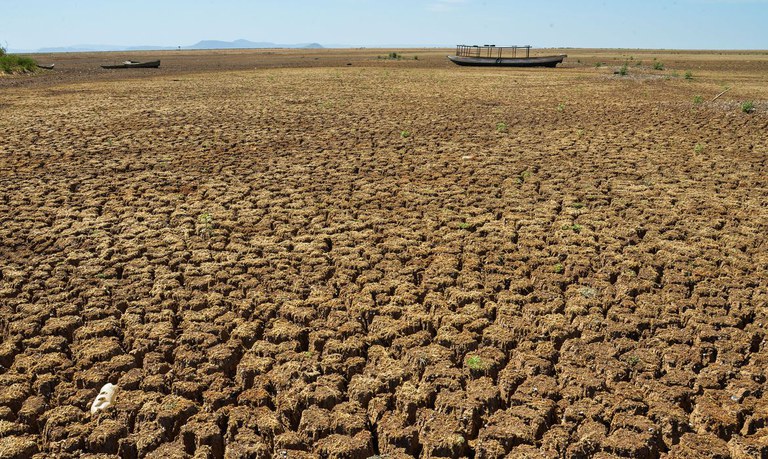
326	254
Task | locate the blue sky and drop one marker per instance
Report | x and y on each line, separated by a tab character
679	24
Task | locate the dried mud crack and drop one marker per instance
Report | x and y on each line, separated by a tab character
405	260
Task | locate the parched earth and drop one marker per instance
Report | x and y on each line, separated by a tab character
340	256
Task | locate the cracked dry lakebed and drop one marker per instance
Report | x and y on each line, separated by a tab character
331	254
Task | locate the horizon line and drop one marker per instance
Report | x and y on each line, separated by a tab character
133	49
80	48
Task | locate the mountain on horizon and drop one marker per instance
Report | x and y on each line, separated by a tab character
204	44
245	44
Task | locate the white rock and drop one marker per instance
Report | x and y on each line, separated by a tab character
105	398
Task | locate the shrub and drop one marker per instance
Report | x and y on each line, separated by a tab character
658	65
10	63
697	100
748	106
391	56
476	363
206	225
688	75
623	70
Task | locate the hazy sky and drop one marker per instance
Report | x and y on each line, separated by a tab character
682	24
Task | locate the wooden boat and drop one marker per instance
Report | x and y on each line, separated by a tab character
502	56
134	65
47	67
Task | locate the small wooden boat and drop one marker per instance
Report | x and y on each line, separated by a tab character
47	67
134	65
502	56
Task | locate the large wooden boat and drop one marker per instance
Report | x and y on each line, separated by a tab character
502	56
133	65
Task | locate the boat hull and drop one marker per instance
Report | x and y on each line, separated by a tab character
134	65
540	61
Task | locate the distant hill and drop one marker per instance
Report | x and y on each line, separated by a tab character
245	44
205	44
